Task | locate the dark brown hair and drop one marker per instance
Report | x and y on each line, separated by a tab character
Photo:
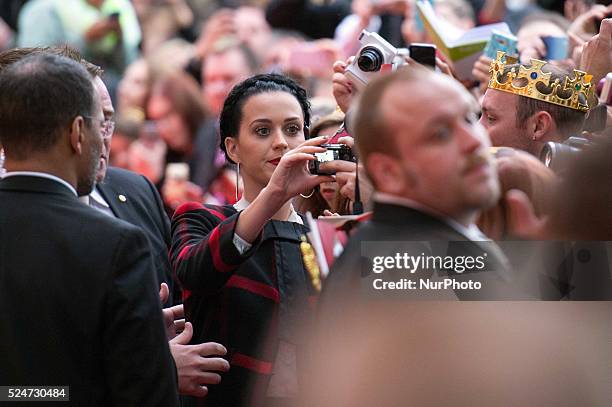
568	121
17	54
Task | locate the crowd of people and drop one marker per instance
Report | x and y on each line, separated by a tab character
163	165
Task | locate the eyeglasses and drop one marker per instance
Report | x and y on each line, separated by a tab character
107	126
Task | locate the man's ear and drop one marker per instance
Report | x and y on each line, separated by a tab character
542	124
231	146
77	134
386	173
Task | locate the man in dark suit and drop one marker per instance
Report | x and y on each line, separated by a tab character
85	308
427	156
130	196
133	198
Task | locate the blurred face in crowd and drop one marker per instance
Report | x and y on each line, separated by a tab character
171	126
499	119
272	124
134	86
441	151
106	132
220	72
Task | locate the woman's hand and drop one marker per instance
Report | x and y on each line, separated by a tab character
291	177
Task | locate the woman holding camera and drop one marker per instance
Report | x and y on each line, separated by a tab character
241	266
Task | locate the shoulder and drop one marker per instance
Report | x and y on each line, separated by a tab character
87	226
218	212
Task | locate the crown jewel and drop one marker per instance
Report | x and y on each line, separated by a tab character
581	84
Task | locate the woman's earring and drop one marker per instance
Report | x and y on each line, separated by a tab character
237	179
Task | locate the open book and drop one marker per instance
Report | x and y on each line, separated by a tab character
462	48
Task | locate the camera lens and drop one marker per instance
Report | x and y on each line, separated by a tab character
370	59
555	155
548	153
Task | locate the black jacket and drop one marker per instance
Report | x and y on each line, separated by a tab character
134	199
79	300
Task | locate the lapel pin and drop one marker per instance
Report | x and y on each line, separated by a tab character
122	198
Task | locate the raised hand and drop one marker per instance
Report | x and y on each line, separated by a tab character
291	177
342	88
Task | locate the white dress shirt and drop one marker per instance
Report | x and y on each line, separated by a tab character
41	175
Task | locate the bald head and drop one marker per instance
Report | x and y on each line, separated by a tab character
418	136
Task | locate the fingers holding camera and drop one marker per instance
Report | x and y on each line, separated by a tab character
347	140
346	178
338	166
342	90
291	177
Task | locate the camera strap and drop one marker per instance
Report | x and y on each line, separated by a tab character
357	205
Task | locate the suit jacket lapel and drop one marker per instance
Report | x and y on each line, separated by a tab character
111	193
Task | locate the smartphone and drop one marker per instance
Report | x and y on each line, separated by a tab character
424	54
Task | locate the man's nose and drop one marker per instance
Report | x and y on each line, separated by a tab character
470	138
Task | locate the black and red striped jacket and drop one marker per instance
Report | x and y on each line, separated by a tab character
247	302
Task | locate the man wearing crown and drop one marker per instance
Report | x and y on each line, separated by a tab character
526	106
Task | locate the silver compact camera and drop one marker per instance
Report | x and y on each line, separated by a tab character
375	52
332	152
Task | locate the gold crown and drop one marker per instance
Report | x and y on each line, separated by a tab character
581	84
